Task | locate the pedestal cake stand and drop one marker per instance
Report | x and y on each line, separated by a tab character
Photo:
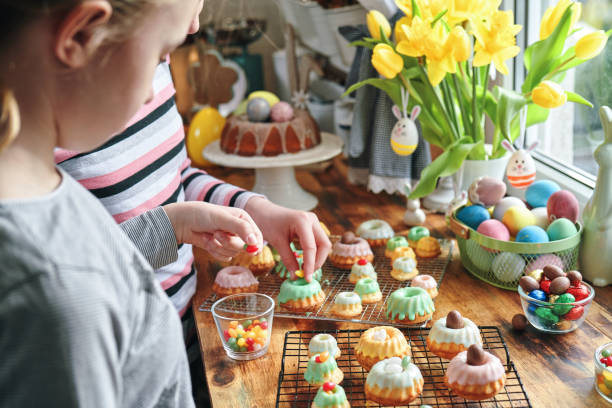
275	176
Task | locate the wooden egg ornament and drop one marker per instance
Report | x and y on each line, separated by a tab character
538	193
486	191
473	215
532	234
502	206
560	229
206	127
517	218
480	257
562	204
494	229
508	267
258	110
541	217
543	260
521	170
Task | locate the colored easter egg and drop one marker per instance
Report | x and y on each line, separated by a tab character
268	96
473	215
532	233
502	206
494	229
508	267
258	110
541	215
486	191
481	258
562	204
517	218
205	127
560	229
537	194
281	112
541	261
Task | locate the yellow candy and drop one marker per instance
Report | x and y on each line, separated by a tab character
241	331
257	329
604	389
251	334
268	96
299	273
260	341
256	321
232	332
241	342
323	356
233	324
607	375
262	334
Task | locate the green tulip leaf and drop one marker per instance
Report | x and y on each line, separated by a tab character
536	114
361	43
574	97
509	104
391	88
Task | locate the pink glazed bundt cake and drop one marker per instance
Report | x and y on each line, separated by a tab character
234	279
350	249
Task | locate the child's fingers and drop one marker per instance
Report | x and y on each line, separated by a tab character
288	258
208	242
229	241
309	247
323	244
240	223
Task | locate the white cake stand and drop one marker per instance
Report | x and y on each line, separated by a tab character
275	176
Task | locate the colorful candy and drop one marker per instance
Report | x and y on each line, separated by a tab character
329	386
251	335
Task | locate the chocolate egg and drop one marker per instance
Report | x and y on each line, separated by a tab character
537	194
502	206
476	355
508	267
574	276
494	229
532	233
281	112
528	284
479	256
552	271
541	216
562	204
473	215
517	218
536	274
559	285
541	261
486	191
560	229
454	320
258	110
348	237
519	322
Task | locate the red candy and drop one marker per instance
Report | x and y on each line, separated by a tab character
574	314
250	348
607	361
329	386
263	325
579	292
226	335
252	248
250	341
296	254
362	262
545	286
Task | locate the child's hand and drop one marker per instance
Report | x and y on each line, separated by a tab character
280	225
222	231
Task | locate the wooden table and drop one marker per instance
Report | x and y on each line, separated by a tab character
556	370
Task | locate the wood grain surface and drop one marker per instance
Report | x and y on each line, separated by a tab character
556	370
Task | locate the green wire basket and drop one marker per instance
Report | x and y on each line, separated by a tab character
502	263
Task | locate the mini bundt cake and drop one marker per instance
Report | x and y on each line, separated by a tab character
323	342
259	264
347	304
402	251
410	305
415	234
368	290
234	279
283	273
451	335
321	369
379	343
350	249
393	243
426	282
428	247
394	381
330	395
376	232
475	374
362	269
404	268
300	296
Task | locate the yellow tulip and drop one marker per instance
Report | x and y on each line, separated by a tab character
386	61
591	45
552	15
458	44
548	94
495	40
398	31
377	21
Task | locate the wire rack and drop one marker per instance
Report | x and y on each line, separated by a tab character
336	280
294	391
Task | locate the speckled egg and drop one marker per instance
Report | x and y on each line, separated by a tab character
494	229
281	112
486	191
541	215
258	110
473	215
541	261
502	206
517	218
532	233
537	194
562	204
561	229
480	257
508	267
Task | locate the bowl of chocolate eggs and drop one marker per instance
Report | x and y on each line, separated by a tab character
555	301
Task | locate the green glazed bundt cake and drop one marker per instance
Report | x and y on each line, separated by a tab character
410	305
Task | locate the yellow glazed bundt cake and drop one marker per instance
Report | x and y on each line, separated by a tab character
379	343
451	335
402	251
428	247
394	381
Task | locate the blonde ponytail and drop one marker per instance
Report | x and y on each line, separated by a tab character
9	118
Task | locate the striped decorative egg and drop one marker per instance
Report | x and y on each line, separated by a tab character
521	170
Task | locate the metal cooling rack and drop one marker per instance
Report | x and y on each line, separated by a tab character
336	280
294	391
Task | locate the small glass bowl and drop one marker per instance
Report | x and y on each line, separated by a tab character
244	323
549	321
603	375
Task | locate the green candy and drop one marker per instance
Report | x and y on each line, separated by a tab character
546	315
560	310
263	319
231	342
606	353
243	349
247	323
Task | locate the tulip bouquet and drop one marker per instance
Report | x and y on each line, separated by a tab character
442	53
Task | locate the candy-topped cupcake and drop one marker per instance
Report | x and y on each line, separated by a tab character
330	395
321	369
350	249
362	269
452	334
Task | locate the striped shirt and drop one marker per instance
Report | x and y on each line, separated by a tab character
146	166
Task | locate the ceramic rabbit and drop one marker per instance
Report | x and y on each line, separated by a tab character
413	215
405	135
521	170
596	243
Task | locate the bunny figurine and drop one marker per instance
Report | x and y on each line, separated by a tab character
596	244
521	170
405	136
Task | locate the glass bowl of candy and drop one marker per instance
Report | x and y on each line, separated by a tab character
603	371
244	323
556	308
